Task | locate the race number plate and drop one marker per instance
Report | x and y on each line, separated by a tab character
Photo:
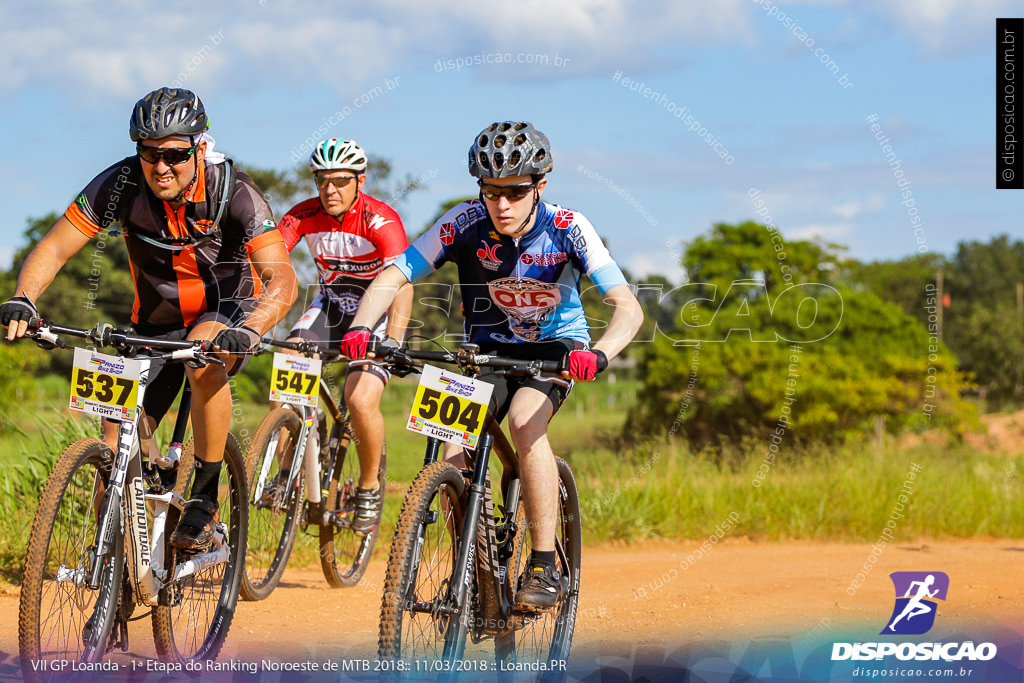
450	407
104	385
295	380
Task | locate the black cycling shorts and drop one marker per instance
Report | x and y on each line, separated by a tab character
325	323
505	386
165	380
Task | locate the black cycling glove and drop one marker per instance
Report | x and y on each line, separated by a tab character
237	340
17	309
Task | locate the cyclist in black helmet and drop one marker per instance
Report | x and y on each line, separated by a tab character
520	261
207	263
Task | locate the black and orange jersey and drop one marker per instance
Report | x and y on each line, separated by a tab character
173	288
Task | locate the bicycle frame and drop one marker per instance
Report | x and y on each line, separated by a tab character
492	575
127	492
309	464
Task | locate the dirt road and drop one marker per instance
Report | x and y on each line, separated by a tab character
652	596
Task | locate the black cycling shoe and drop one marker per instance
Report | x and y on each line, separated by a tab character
541	587
195	528
367	505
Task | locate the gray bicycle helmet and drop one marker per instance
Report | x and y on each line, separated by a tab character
168	111
508	149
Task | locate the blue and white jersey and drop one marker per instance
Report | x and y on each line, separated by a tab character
517	290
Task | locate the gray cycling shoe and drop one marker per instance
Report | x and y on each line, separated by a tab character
368	504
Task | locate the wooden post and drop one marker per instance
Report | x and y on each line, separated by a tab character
941	303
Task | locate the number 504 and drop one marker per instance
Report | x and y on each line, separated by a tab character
450	410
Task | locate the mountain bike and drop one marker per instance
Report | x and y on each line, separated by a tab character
287	456
453	566
99	543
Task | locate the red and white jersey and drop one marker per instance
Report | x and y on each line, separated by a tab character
349	253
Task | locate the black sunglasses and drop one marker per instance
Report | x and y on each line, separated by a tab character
172	155
513	193
339	182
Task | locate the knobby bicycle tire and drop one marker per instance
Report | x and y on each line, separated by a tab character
344	555
421	565
272	525
193	621
62	539
546	637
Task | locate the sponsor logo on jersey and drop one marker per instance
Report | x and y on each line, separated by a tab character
525	299
578	241
346	301
488	255
527	332
341	265
563	219
447	234
376	221
472	212
544	259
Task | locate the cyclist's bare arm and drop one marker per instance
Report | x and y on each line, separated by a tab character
274	268
56	248
625	323
379	296
398	314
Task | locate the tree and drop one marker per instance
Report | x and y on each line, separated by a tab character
758	350
983	324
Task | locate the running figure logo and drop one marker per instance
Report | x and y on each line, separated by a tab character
917	595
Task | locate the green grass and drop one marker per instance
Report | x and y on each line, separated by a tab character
651	491
848	494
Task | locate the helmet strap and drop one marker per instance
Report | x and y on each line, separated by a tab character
533	210
195	174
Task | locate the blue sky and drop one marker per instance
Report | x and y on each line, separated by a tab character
271	72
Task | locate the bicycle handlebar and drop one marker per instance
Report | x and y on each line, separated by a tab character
105	334
468	358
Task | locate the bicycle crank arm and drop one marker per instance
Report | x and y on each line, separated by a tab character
197	564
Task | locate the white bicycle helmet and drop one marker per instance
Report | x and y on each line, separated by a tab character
336	155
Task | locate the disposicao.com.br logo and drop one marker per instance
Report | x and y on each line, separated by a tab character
916	604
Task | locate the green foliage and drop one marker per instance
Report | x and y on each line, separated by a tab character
95	285
901	282
808	361
19	363
983	323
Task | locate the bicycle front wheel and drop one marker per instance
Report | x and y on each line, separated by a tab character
273	514
546	637
415	615
344	554
59	617
195	613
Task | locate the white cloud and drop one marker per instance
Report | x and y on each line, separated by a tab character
849	210
818	231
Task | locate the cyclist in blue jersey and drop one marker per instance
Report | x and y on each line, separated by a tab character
520	261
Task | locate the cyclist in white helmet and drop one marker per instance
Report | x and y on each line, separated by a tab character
352	237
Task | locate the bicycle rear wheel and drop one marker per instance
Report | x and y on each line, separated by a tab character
195	613
413	618
59	617
546	637
345	554
273	519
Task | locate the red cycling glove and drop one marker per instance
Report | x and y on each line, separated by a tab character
584	365
353	344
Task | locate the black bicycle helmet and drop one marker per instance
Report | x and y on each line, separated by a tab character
508	149
168	111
